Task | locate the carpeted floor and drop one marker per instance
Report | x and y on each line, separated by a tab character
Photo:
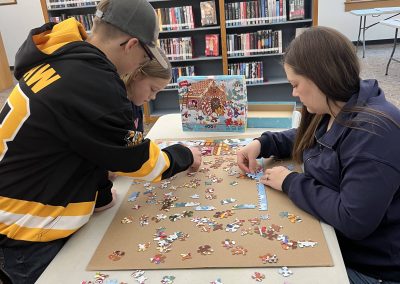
372	67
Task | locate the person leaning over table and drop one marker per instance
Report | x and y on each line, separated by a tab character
348	140
142	86
66	123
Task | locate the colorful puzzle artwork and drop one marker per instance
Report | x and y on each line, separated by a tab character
211	218
213	103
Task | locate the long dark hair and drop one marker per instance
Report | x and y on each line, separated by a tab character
329	60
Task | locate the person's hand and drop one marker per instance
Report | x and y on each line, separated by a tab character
109	205
274	177
246	157
196	159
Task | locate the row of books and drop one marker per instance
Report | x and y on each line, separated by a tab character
177	48
178	72
176	18
260	42
54	4
86	20
253	71
255	12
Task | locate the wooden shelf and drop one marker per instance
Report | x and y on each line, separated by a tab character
202	58
254	55
266	25
72	8
200	29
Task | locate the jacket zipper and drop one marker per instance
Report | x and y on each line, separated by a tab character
320	144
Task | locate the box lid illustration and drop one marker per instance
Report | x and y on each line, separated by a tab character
213	103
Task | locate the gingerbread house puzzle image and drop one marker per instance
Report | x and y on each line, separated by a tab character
213	103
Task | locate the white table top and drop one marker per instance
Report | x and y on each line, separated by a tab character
70	263
394	23
376	11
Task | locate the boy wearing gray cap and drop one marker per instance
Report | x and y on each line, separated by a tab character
67	122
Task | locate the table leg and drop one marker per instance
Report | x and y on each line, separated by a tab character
359	32
394	49
365	20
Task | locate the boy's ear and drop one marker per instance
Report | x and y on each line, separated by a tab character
132	43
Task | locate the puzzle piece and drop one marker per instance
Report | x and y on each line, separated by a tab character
168	280
232	228
239	250
228	243
204	208
205	250
255	221
227	201
144	220
127	220
258	276
217	227
185	256
137	273
285	272
116	255
243	206
289	245
158	258
143	247
245	232
159	217
133	196
268	258
141	279
309	243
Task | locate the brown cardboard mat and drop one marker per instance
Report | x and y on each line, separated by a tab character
186	238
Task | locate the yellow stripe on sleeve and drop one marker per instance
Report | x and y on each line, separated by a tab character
154	167
17	206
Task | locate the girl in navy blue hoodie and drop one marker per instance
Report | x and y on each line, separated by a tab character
348	140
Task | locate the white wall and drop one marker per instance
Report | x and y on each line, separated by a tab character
331	13
15	23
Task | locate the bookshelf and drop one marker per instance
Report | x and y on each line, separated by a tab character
273	86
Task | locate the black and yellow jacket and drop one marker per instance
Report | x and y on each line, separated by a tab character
66	122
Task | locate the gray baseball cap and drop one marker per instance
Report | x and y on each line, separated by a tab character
136	18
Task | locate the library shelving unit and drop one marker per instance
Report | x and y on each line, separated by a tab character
58	10
273	86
